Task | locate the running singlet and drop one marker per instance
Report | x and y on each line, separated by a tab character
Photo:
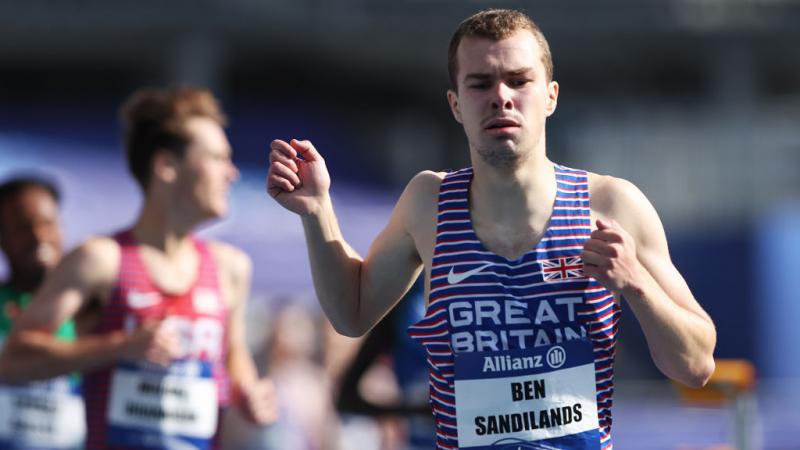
139	405
520	352
43	415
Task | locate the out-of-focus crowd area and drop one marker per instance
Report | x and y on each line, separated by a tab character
336	392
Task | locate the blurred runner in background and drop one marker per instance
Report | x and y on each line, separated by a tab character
164	350
48	414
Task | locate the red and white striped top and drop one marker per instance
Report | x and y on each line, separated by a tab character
134	299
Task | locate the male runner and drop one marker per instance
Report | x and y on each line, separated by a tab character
160	311
524	274
48	414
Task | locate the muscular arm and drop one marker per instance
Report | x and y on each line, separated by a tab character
629	255
354	292
32	352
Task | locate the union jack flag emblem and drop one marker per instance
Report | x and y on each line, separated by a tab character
562	268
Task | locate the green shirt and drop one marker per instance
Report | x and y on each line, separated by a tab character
9	295
68	415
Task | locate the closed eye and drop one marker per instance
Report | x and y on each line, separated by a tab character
479	86
519	82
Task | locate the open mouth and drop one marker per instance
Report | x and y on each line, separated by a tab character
497	124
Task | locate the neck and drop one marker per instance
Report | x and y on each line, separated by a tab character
520	191
161	228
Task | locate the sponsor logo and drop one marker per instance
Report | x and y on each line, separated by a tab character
556	357
141	300
455	278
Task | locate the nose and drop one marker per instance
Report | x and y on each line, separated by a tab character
502	97
39	233
233	172
45	231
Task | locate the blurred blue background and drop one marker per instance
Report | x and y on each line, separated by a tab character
695	101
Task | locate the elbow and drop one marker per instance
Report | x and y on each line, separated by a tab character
350	330
698	374
702	368
702	373
348	323
691	373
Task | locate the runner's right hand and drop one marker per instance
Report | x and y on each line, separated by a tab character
297	179
153	342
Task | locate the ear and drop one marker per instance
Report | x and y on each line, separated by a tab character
165	166
452	99
552	98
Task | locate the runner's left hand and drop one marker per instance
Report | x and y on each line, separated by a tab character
609	257
259	402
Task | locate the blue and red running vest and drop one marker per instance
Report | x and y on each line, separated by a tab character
482	302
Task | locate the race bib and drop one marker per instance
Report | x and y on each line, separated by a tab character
540	398
163	409
45	415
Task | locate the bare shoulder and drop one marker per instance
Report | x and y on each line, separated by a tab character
97	259
86	273
620	200
425	184
417	209
612	196
231	259
417	204
422	192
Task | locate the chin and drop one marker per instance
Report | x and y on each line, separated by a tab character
209	214
501	157
220	211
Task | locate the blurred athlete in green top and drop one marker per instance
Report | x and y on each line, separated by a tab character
49	414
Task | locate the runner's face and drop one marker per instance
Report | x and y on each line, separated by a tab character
504	96
207	170
30	231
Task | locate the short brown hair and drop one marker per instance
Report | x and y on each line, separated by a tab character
154	119
496	24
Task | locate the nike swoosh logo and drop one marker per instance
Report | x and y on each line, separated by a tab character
139	300
455	278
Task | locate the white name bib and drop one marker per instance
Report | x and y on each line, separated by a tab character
45	415
545	397
163	409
